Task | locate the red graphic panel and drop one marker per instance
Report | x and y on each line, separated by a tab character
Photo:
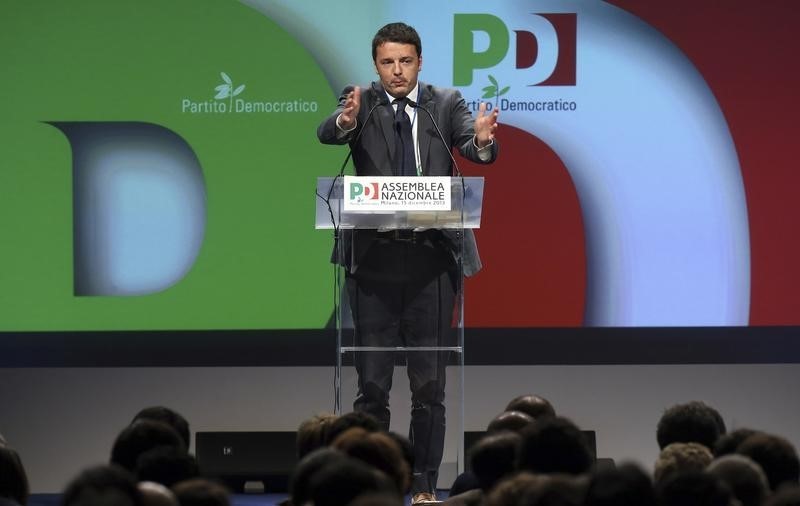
534	265
747	52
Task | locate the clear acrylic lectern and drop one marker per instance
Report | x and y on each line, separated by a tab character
464	214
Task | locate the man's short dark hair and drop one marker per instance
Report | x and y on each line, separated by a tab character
311	434
776	456
514	421
168	416
744	477
337	484
554	445
693	488
13	479
494	457
102	486
201	492
379	451
532	405
396	32
786	496
307	468
140	437
727	443
693	422
349	420
626	485
166	465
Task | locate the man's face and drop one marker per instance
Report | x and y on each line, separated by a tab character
398	66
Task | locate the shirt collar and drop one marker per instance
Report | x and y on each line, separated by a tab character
412	95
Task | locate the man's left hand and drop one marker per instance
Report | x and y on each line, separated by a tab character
485	126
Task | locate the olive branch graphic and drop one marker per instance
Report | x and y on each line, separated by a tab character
493	90
225	90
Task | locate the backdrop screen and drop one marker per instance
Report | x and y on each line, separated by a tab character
158	160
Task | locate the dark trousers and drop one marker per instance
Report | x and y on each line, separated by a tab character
403	294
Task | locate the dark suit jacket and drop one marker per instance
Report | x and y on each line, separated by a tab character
373	153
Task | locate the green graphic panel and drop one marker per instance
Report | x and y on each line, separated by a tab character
261	264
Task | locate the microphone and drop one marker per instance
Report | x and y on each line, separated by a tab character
447	146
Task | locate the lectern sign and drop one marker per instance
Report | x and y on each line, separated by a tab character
367	193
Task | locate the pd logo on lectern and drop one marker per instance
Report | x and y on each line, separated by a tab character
360	192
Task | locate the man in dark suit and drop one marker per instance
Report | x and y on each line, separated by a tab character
403	285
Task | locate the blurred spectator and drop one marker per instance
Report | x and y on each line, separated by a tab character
627	485
13	479
744	478
693	422
727	443
140	437
693	488
776	456
311	434
554	445
170	417
108	485
532	405
201	492
679	458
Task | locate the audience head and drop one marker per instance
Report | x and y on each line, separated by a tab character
527	489
138	438
306	469
311	433
103	486
166	465
787	496
556	490
156	494
405	446
744	478
379	451
13	479
626	485
494	457
693	488
169	417
776	456
531	405
679	458
377	499
512	491
339	483
727	443
554	445
693	422
201	492
509	420
350	420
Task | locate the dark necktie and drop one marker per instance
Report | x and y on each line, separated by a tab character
405	162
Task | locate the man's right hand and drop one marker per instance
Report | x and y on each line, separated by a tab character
352	104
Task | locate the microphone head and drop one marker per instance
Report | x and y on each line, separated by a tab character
380	95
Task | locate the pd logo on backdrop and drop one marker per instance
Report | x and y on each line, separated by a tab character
544	46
